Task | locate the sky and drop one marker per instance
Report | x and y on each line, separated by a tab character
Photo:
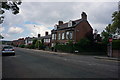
39	17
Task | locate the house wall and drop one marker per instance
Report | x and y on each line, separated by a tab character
82	30
62	40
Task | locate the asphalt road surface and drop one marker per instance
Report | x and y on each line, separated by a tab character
38	64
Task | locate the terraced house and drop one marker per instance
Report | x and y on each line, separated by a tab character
73	30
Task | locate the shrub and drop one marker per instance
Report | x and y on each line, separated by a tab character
116	44
84	45
22	45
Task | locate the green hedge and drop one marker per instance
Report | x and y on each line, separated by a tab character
116	44
64	48
22	46
83	45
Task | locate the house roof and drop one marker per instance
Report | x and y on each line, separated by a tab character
65	25
30	38
47	36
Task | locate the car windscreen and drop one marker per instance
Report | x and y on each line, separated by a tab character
8	47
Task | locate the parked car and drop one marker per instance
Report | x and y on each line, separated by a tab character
8	50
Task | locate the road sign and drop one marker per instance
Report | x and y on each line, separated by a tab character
110	39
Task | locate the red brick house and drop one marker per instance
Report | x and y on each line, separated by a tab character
18	42
73	30
47	39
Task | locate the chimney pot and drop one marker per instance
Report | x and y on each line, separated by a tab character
39	35
84	16
46	33
60	22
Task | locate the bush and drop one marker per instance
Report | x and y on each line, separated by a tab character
39	44
84	45
116	44
22	45
30	46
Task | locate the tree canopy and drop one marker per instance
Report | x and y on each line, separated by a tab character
9	5
114	27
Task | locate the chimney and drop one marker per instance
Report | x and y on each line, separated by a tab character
84	16
46	33
60	22
39	35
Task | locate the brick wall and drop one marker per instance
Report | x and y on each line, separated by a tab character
116	53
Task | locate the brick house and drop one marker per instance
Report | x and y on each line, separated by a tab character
29	40
47	39
73	30
20	41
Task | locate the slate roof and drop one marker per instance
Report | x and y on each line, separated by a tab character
65	25
47	36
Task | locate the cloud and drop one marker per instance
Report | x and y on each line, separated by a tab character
36	29
1	29
46	14
15	30
5	35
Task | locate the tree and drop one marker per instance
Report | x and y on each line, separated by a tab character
105	36
9	5
39	45
112	28
116	21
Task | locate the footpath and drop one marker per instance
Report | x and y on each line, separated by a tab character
63	53
108	58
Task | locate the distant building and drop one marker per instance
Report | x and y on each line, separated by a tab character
20	41
73	30
29	40
47	39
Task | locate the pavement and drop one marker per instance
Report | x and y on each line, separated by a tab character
62	53
108	58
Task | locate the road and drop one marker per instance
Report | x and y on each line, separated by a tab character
39	64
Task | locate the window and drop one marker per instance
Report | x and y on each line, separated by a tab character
70	35
55	36
67	35
44	40
52	36
63	35
59	36
48	40
70	23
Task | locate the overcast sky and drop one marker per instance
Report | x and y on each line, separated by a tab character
38	17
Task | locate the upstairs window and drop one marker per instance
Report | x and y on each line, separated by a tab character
70	23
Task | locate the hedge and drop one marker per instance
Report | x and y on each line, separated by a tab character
83	45
116	44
